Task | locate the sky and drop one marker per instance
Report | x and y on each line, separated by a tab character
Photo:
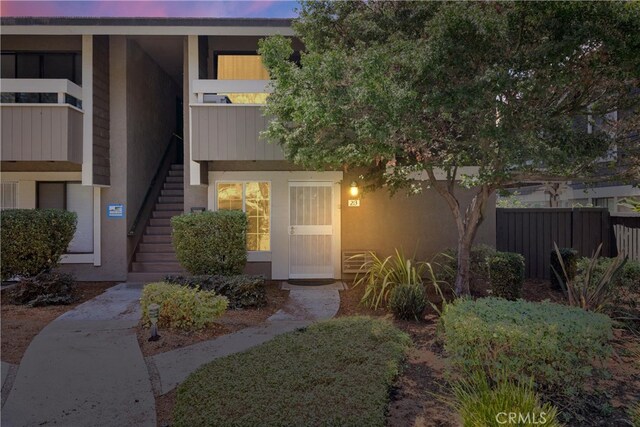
151	8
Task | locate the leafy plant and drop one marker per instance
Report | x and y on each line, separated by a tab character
182	307
34	240
447	264
45	289
589	291
481	403
632	204
242	291
569	257
408	302
559	346
634	414
506	270
211	242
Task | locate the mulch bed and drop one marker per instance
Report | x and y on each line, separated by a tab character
21	323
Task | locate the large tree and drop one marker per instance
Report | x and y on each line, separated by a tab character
419	87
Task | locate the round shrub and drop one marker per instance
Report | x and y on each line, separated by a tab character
570	260
448	261
242	291
33	240
211	242
506	274
408	301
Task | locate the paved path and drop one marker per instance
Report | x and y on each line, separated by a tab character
305	305
85	369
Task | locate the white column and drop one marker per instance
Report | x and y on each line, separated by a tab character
195	176
97	209
87	107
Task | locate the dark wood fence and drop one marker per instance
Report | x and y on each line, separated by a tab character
532	232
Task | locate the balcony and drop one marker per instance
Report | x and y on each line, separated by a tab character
224	130
41	120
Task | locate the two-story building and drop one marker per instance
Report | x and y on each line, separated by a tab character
130	121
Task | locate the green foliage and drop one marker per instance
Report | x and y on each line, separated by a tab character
589	290
34	240
559	347
45	289
182	307
569	258
211	242
448	264
506	270
381	275
242	291
333	373
634	414
482	404
632	204
408	302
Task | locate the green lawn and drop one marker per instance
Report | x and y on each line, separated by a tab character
334	373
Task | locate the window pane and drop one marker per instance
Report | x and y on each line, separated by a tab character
50	195
8	66
8	195
230	196
58	66
258	208
241	67
28	66
80	201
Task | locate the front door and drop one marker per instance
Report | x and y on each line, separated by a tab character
311	230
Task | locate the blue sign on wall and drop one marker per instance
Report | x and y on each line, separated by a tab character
115	210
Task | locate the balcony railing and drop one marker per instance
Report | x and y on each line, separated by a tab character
33	130
202	88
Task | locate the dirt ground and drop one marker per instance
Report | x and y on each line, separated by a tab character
21	323
416	399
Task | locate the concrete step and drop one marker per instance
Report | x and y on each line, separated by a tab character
167	213
155	247
156	238
156	257
155	230
174	179
156	267
173	192
160	222
170	199
177	167
169	206
173	186
148	277
177	172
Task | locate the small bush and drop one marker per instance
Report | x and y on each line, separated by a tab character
242	291
634	414
558	346
448	264
570	260
33	240
408	302
506	271
480	404
45	289
182	307
211	242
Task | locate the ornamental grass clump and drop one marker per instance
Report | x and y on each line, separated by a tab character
408	302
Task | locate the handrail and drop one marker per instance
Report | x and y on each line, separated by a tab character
136	221
59	86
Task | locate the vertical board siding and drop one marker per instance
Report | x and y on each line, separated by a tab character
101	159
533	232
231	133
41	133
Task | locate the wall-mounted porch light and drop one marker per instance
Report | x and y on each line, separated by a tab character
354	190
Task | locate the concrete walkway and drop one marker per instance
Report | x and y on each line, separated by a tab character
85	369
305	305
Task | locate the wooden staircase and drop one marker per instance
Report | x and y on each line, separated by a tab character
155	257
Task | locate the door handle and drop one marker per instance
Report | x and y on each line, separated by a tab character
292	230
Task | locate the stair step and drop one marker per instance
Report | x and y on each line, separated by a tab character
147	277
179	173
179	192
170	199
169	206
160	222
156	238
173	186
156	267
157	230
155	248
174	179
156	257
167	213
177	166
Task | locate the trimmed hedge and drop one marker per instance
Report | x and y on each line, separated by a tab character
211	242
506	272
45	289
408	301
34	240
570	260
242	291
182	307
558	346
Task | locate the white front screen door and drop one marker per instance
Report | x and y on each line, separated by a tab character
310	230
